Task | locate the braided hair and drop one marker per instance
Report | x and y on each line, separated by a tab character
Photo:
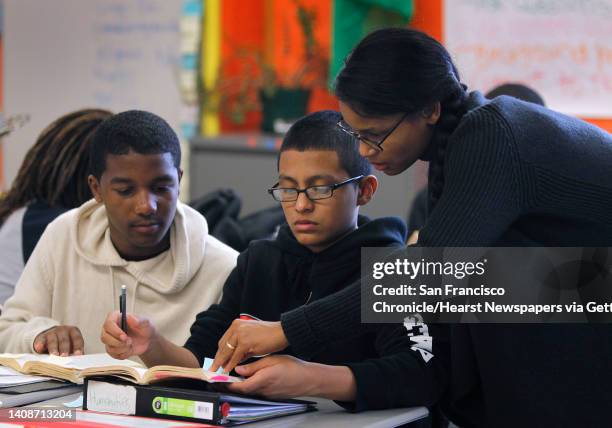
55	169
401	70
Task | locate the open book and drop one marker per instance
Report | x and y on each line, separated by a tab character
77	367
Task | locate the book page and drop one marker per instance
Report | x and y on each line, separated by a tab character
141	372
21	359
78	362
163	372
82	362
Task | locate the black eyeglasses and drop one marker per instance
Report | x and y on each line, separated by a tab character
290	194
376	145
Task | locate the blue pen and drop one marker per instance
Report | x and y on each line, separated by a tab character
123	307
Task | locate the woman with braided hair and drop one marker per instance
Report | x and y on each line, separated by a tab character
51	180
502	172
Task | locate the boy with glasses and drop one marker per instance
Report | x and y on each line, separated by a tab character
322	183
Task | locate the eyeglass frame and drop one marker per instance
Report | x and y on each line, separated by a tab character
305	189
376	145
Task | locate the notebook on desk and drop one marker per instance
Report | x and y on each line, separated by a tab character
10	377
17	396
185	401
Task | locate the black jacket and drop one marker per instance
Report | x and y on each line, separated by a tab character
35	220
275	276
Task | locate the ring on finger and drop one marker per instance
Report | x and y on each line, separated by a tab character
229	345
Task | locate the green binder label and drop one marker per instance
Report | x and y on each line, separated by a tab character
185	408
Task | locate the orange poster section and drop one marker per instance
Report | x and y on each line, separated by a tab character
289	43
266	33
242	48
428	17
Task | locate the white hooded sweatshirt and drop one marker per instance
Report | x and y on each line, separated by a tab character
75	274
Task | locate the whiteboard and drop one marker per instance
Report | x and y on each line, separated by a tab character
561	48
62	55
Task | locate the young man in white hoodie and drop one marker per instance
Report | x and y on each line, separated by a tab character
134	232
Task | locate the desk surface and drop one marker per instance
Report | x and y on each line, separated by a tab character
328	415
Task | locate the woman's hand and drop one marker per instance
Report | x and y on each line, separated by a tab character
248	338
283	376
276	376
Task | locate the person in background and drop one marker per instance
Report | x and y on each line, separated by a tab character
51	180
516	90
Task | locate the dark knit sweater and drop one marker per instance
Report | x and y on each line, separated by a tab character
275	276
514	172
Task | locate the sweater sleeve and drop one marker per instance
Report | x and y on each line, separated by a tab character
335	317
411	369
483	185
27	313
211	324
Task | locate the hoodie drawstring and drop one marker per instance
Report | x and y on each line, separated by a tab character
112	282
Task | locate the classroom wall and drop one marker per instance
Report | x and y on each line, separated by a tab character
430	16
62	55
46	83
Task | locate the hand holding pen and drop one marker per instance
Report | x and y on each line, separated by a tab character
119	343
